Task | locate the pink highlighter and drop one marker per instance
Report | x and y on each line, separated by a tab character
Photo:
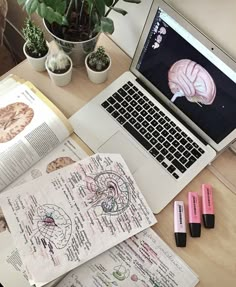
207	206
194	214
179	224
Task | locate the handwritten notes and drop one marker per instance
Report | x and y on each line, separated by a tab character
63	219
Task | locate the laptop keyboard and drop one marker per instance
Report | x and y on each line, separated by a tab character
154	130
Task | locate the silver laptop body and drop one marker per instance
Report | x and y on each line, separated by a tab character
171	113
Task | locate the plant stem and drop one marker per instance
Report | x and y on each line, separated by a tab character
78	23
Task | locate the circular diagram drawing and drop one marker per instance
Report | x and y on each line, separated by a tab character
59	163
110	192
54	225
189	79
13	119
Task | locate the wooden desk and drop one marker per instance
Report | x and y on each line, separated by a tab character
213	255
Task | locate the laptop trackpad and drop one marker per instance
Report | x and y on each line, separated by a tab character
118	143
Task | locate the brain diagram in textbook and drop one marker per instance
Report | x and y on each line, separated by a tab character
14	118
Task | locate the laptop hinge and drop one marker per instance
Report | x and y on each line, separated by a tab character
169	109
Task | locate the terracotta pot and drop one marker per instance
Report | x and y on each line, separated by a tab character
95	76
60	79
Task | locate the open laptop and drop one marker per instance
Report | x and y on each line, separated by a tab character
171	113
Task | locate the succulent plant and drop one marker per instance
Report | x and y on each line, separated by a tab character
98	60
57	60
36	45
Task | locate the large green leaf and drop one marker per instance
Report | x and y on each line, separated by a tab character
58	6
31	6
100	5
107	25
50	15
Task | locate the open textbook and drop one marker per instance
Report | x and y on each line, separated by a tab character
30	127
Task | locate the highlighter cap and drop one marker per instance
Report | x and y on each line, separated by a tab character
180	239
208	220
195	229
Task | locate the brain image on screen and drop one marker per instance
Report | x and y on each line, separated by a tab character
13	119
189	79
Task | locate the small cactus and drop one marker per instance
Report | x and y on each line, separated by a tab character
35	42
98	60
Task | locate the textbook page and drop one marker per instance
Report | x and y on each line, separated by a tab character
144	260
30	127
11	266
65	218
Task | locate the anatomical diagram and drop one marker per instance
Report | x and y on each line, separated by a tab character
189	79
59	163
14	118
54	225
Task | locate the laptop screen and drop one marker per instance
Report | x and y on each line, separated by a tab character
190	76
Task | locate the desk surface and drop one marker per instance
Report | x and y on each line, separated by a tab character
213	255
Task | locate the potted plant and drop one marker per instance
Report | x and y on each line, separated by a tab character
59	65
75	24
97	65
35	47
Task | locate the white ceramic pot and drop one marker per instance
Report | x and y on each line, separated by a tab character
38	64
61	79
97	77
76	50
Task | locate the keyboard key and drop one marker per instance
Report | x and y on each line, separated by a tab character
158	146
134	114
105	104
153	141
156	109
178	165
188	146
124	104
161	121
167	119
172	149
166	144
161	139
111	100
141	101
118	97
145	124
122	110
173	124
128	99
164	151
187	153
190	161
131	91
130	109
169	156
170	138
201	150
183	160
148	118
117	106
151	111
164	133
125	87
150	129
172	131
161	113
183	141
146	106
175	175
143	113
156	134
164	164
137	126
177	154
130	84
159	128
154	123
110	109
140	119
195	153
140	93
167	126
127	115
122	92
121	120
142	131
137	136
135	88
177	136
156	116
160	158
175	143
171	168
180	148
115	114
132	121
133	103
138	108
148	136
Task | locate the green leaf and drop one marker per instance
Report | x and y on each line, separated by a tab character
109	2
119	10
31	6
133	1
100	5
58	6
107	25
42	10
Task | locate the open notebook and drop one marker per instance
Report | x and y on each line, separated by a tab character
171	113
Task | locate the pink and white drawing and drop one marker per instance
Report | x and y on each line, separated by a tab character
189	79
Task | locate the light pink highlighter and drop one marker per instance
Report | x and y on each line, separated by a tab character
208	206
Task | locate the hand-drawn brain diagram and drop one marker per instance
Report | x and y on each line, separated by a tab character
54	225
189	79
111	192
13	119
59	163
